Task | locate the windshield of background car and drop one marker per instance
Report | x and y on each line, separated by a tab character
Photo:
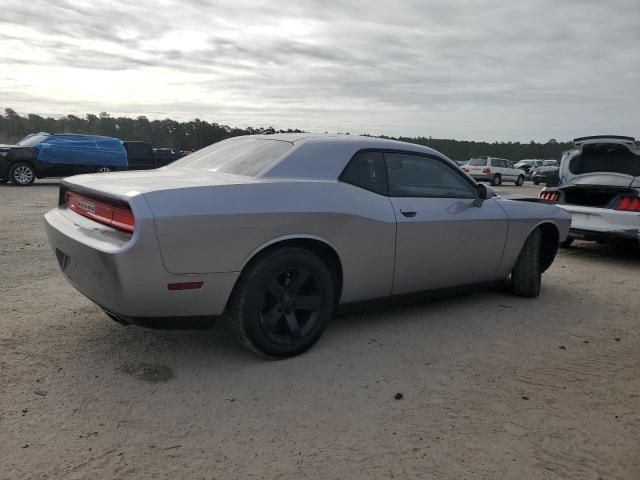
549	163
31	140
605	157
478	162
239	156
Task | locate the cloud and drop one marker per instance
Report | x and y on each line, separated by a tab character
466	69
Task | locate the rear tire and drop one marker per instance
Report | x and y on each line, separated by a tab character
526	276
496	180
22	174
282	303
103	169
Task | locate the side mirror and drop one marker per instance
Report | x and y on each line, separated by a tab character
482	194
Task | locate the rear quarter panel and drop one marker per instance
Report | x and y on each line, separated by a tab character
220	228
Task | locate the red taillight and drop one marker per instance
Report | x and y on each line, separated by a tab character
466	169
550	196
486	170
629	204
116	216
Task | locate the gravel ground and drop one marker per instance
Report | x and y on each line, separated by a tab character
480	386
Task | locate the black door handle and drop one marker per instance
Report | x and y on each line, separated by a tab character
408	213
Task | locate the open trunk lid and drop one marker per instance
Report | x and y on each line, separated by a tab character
603	161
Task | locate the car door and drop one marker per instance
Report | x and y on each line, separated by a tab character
505	171
442	238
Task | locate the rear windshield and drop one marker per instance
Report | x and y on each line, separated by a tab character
33	139
605	157
478	162
550	163
239	156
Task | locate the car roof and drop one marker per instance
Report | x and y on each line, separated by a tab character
324	156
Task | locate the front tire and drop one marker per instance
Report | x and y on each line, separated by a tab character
520	181
103	170
526	276
496	180
283	303
22	174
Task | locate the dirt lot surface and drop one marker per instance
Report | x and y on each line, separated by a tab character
480	386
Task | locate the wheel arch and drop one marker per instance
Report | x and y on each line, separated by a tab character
319	246
549	243
27	161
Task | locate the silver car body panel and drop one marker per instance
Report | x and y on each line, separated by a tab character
206	226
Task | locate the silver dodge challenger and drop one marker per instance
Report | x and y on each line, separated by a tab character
274	232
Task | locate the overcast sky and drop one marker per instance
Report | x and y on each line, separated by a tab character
484	70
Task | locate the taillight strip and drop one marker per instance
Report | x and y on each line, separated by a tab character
629	204
116	216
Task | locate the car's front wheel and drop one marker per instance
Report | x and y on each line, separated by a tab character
22	174
282	303
520	180
103	170
526	276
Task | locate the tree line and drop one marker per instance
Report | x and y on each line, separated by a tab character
195	134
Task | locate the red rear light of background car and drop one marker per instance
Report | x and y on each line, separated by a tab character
550	196
108	213
486	170
466	169
629	204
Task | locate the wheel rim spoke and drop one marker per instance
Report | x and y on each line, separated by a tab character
270	319
292	323
275	289
302	275
310	303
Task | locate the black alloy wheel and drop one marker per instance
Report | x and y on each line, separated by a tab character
290	306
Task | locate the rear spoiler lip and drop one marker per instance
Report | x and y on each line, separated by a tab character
97	194
623	138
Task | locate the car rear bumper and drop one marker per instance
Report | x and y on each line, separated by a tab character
483	177
595	223
127	278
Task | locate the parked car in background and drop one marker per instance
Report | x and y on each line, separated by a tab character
42	155
139	155
461	163
528	165
276	231
164	156
548	173
600	188
494	170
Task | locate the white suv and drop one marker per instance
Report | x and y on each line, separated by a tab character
494	170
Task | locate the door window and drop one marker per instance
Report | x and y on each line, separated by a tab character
418	176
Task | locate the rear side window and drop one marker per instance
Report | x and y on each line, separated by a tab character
367	170
239	156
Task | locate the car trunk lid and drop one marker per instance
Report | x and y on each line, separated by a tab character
124	185
601	161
